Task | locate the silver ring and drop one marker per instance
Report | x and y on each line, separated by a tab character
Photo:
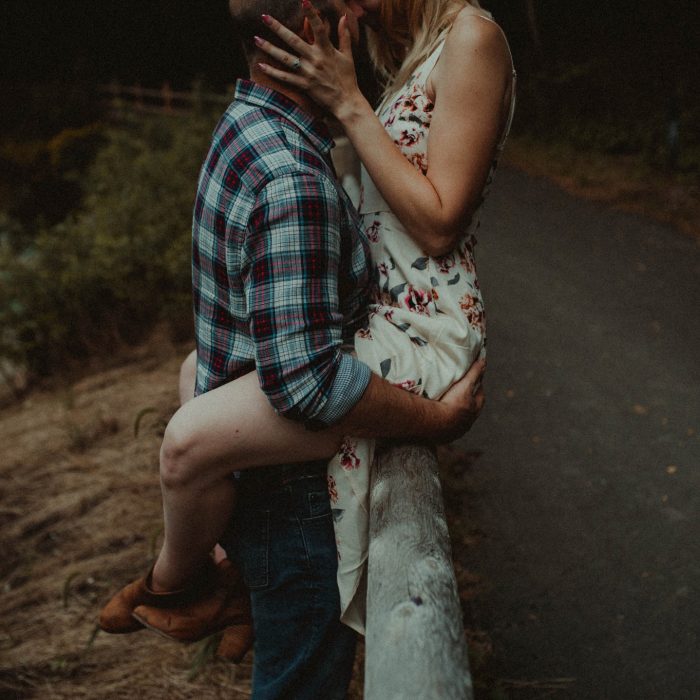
296	65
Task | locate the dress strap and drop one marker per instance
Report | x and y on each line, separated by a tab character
511	109
427	67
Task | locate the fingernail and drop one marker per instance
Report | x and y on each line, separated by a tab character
306	4
258	40
267	19
262	66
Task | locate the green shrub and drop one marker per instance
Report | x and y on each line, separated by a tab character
572	104
117	265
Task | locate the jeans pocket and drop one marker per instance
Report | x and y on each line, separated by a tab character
319	504
320	547
253	547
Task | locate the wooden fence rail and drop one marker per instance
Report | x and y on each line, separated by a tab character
163	100
415	646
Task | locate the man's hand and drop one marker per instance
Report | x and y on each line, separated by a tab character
389	413
464	401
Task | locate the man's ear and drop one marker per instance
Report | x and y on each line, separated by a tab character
307	33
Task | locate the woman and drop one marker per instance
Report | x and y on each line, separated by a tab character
449	81
449	73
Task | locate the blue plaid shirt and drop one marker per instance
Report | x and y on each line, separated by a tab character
280	263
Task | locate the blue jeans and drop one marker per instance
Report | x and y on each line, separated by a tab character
282	536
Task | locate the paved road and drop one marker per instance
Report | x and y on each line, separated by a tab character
588	489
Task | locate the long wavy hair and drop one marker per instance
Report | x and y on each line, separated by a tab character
409	30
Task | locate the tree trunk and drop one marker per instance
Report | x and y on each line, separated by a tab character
415	646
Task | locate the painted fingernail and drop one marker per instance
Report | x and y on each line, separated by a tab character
306	4
258	40
267	19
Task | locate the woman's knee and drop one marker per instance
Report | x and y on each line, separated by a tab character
179	466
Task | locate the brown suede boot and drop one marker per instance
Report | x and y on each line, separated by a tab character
228	604
235	643
117	616
237	639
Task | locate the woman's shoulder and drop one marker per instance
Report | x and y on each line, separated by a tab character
475	30
473	35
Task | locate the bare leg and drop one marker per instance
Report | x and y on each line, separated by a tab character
188	372
186	387
227	429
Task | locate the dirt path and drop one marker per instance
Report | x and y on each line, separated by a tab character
588	489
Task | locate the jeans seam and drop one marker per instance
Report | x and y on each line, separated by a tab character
315	588
264	577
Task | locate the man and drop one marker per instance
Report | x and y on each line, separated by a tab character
280	275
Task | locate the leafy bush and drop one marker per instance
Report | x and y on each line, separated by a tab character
42	178
572	104
117	265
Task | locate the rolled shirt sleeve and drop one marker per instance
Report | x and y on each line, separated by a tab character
291	262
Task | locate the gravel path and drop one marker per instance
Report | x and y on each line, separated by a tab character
588	488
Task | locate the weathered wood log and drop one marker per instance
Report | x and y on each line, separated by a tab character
415	643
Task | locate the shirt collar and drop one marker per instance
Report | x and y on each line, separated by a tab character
316	130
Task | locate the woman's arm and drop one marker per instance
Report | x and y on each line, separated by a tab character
469	84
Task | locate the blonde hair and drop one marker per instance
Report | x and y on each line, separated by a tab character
409	32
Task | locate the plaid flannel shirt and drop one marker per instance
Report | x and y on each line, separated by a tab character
280	262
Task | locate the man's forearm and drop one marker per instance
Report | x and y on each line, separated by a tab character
386	411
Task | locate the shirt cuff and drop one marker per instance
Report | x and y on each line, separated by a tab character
351	381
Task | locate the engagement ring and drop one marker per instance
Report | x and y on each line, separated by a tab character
296	64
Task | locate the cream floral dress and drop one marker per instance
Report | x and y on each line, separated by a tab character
426	325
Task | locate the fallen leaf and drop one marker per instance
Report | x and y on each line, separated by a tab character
640	410
510	393
671	469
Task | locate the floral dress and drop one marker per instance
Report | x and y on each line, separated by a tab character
426	325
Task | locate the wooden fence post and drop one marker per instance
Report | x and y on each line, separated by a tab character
415	643
167	96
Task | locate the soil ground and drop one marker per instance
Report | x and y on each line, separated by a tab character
625	182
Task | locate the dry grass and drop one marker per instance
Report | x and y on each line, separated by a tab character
79	516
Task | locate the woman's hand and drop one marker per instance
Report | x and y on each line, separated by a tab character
320	70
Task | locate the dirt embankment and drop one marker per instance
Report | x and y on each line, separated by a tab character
624	182
80	515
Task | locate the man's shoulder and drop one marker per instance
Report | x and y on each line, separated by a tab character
260	146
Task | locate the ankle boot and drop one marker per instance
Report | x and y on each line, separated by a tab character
226	604
117	616
235	643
